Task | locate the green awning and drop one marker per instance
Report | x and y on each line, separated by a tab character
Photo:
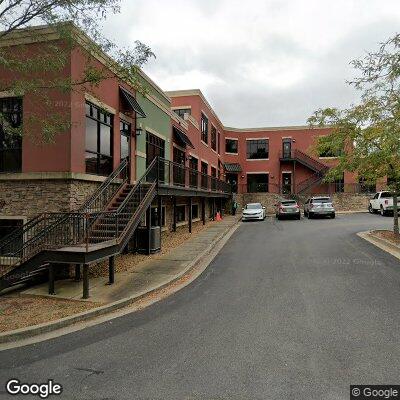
132	102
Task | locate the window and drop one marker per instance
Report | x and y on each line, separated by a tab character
99	129
182	111
213	138
365	186
231	146
155	147
204	128
125	130
180	213
154	216
219	142
10	139
331	153
257	149
339	184
195	211
7	226
257	183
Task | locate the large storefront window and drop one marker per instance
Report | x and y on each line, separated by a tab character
257	149
99	127
10	140
257	183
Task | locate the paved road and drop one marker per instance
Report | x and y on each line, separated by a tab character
287	310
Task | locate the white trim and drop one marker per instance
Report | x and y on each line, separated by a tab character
231	138
257	172
27	176
19	217
155	133
329	158
178	147
287	172
181	108
140	154
257	159
7	93
194	156
126	118
208	118
205	161
89	97
214	166
205	144
287	137
260	138
232	154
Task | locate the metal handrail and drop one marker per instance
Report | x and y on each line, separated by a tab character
308	159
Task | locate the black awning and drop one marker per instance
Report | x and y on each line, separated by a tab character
182	138
232	167
133	104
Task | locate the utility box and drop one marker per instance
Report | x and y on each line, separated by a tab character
142	239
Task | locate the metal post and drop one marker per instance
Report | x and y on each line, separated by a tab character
51	279
148	219
203	210
111	270
160	211
213	209
174	214
77	272
85	281
190	215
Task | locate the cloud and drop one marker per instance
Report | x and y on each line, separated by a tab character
259	63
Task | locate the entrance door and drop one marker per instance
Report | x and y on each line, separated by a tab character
286	183
287	148
232	179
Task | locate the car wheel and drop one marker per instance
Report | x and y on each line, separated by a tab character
299	217
333	216
278	216
309	215
370	209
305	213
383	212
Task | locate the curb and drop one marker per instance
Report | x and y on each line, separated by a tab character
381	243
35	330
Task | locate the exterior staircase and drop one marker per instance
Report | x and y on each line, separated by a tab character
101	227
319	170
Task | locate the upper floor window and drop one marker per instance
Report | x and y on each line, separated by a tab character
213	138
331	153
219	143
231	146
10	134
204	128
182	111
257	149
99	150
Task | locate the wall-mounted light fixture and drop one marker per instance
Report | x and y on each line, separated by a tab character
139	130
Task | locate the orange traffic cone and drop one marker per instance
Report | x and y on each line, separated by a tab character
218	216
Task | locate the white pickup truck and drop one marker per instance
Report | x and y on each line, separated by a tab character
382	202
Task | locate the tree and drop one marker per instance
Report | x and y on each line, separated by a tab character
367	134
63	16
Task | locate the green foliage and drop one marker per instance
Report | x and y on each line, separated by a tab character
42	74
368	132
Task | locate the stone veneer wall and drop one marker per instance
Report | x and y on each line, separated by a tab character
28	198
341	201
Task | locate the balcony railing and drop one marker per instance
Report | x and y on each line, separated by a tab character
174	174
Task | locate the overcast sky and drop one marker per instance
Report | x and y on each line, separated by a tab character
258	62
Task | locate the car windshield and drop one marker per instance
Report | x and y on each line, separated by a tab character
322	200
253	206
288	203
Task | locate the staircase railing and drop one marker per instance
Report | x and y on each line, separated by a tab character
310	181
310	161
49	230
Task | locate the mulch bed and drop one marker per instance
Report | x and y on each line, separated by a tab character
169	241
387	235
22	311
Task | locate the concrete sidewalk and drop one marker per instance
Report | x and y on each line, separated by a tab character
148	276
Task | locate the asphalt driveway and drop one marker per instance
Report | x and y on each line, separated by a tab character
287	310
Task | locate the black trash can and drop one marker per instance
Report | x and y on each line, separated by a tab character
143	239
